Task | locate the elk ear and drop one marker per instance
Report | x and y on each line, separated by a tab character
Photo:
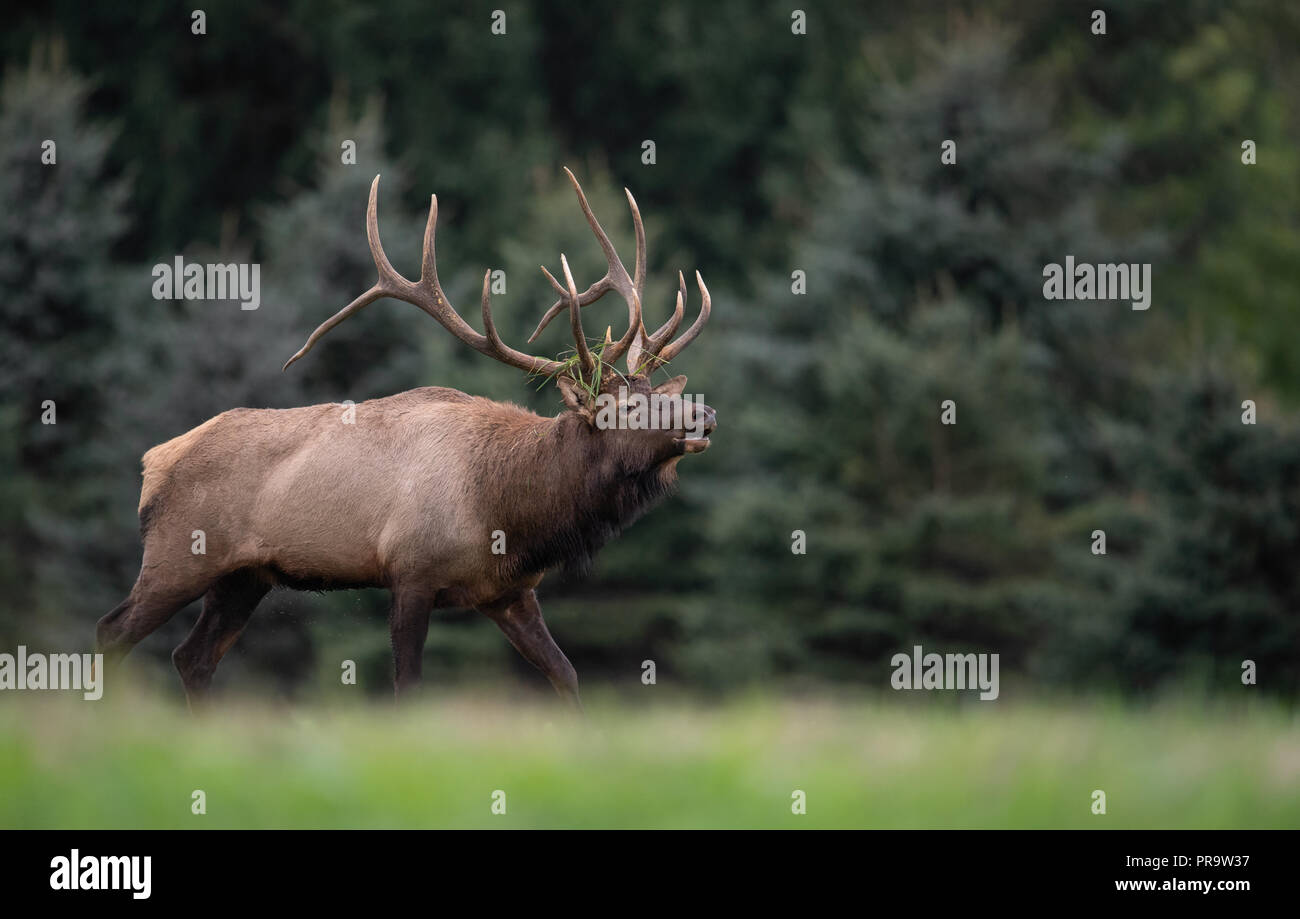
575	397
672	387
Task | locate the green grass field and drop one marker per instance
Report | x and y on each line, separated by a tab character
884	763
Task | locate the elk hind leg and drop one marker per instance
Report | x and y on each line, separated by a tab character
152	602
227	607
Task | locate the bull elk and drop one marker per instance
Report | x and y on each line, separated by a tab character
408	497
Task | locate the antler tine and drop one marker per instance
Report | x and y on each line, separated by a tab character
638	271
427	294
653	343
635	347
666	331
616	276
428	257
575	321
485	301
502	351
634	352
586	298
635	330
370	296
384	287
675	348
630	339
389	279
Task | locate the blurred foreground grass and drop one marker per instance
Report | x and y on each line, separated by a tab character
133	762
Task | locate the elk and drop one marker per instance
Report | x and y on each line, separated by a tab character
408	497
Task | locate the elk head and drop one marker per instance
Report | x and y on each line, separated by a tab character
592	387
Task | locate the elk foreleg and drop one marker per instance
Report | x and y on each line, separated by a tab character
520	618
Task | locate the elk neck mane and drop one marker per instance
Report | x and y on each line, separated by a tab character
562	489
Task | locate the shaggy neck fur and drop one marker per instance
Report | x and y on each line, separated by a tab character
567	489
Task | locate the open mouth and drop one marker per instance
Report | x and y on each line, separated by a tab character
706	422
693	444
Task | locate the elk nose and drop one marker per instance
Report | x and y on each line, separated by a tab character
709	417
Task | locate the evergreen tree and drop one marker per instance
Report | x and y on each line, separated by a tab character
60	344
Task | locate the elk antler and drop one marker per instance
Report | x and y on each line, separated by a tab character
666	353
427	294
636	343
616	278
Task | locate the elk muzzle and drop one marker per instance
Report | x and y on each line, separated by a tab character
702	423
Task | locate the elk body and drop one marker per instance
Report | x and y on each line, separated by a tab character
416	492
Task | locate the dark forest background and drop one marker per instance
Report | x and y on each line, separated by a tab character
775	153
